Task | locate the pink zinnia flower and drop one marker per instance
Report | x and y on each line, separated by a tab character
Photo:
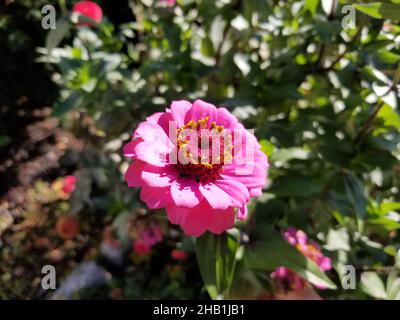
88	9
287	279
202	180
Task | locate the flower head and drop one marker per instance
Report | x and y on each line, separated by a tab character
88	9
179	255
140	248
147	238
67	227
285	278
199	163
69	184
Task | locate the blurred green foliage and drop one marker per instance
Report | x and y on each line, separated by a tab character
322	99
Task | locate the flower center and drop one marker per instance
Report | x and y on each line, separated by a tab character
202	152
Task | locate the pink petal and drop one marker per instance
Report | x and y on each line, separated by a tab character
159	176
179	110
197	222
261	158
291	232
325	264
152	152
215	196
200	110
150	131
301	237
155	145
256	177
255	192
133	174
129	148
226	119
155	198
185	193
194	221
242	212
236	190
177	215
221	220
201	218
162	119
280	272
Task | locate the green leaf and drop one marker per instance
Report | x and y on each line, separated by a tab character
4	140
355	193
267	147
73	100
55	36
393	285
292	186
217	256
389	116
207	48
390	250
274	252
388	57
311	6
397	260
372	284
380	10
327	30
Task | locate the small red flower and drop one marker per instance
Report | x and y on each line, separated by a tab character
67	227
141	248
69	184
179	255
88	9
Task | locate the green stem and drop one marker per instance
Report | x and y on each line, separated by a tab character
62	5
219	264
231	276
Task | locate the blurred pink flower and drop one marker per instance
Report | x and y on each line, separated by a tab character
288	280
169	3
69	184
146	239
151	235
88	9
199	185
